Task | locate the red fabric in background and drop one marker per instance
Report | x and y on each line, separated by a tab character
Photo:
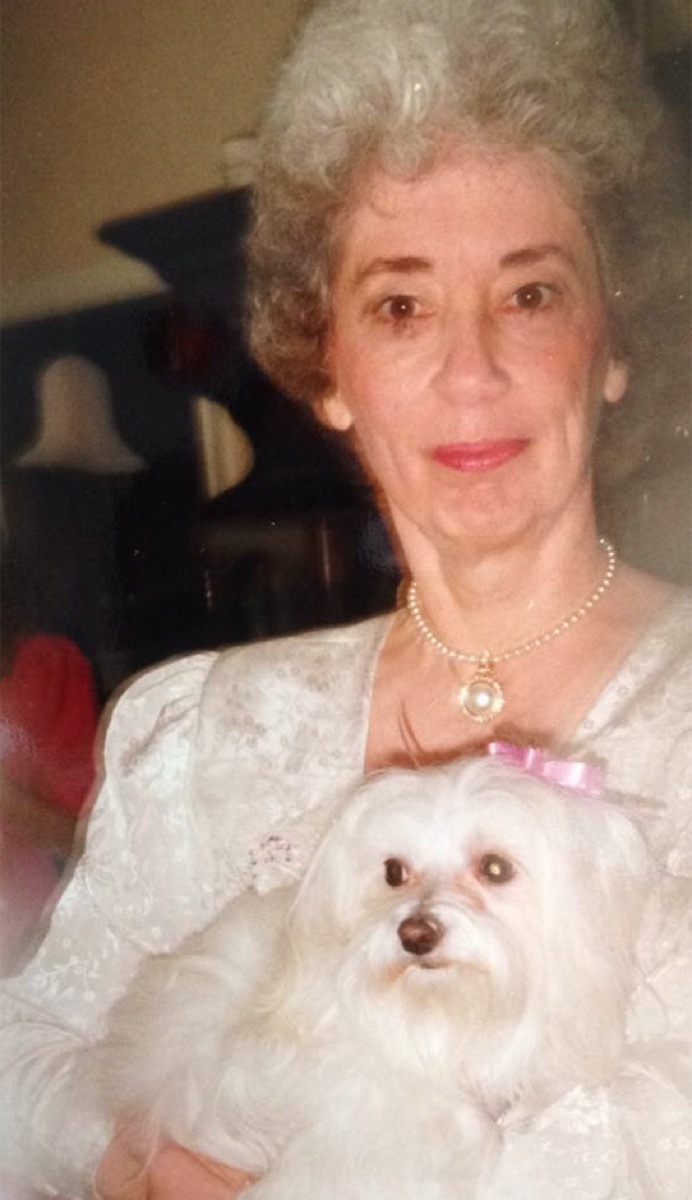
48	719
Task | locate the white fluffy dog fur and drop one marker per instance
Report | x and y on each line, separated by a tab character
460	950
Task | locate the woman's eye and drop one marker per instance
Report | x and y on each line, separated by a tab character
400	308
495	868
533	296
395	872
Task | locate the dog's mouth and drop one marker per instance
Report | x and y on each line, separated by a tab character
443	965
442	971
431	964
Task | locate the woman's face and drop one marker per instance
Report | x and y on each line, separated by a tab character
469	348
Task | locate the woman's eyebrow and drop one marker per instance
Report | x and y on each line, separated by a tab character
404	265
529	255
409	264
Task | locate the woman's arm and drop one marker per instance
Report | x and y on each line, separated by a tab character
125	1173
138	888
631	1140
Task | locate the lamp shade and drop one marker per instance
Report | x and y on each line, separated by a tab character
77	428
224	451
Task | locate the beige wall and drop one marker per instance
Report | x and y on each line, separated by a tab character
110	107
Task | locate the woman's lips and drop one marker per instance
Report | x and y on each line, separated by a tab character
479	456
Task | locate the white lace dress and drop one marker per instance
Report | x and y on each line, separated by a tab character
221	771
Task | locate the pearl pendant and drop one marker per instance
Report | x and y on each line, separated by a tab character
482	698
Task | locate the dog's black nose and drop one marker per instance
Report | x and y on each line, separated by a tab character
420	935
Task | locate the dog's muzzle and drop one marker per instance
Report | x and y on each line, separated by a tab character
420	934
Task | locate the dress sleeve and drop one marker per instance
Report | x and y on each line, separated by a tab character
631	1140
139	887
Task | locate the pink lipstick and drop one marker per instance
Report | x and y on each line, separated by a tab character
479	456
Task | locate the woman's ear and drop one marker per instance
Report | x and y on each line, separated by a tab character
615	382
334	412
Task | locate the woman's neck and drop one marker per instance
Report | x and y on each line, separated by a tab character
497	598
416	715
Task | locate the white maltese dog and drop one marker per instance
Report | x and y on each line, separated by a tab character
459	954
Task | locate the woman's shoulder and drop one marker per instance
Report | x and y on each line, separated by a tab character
155	699
641	724
298	702
654	608
171	700
648	695
204	753
661	653
324	639
665	645
182	674
303	654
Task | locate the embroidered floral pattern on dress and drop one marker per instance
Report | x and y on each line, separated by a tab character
223	771
273	858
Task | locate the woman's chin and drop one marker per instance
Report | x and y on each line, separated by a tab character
485	522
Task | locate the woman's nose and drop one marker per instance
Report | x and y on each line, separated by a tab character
469	369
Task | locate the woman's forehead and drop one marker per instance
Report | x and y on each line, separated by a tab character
505	202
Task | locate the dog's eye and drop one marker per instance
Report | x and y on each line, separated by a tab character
395	872
494	868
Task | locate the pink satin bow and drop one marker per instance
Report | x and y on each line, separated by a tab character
584	777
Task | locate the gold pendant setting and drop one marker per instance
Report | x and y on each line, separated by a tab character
482	698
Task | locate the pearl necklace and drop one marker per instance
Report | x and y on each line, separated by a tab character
482	698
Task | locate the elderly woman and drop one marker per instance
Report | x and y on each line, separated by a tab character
449	262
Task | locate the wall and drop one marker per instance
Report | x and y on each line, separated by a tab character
111	107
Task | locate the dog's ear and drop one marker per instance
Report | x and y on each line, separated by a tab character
327	899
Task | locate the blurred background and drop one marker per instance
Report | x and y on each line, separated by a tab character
158	494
